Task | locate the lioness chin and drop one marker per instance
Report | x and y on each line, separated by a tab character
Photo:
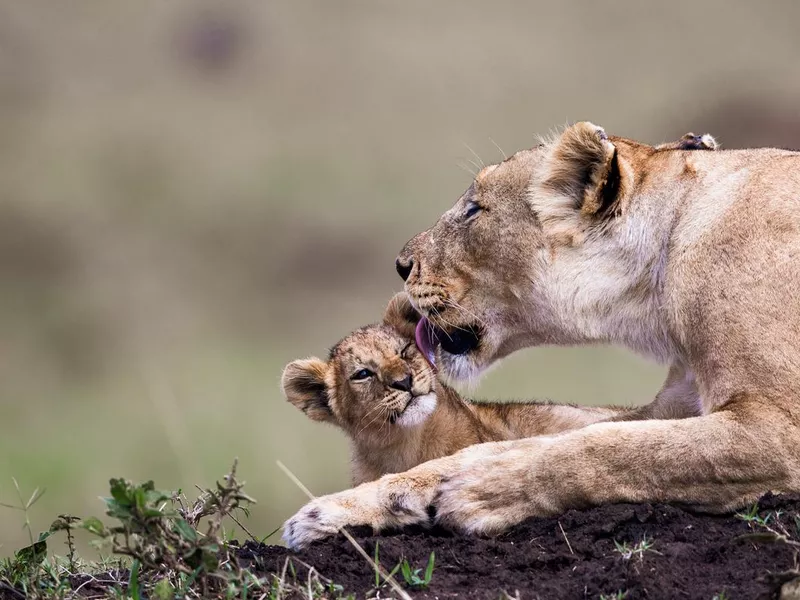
378	388
691	258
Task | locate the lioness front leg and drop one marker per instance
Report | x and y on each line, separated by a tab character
393	500
716	462
489	487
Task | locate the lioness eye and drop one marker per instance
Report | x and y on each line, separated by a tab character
362	374
472	209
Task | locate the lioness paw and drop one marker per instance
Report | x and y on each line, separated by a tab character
317	520
485	496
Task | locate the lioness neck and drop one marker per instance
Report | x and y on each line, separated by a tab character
620	299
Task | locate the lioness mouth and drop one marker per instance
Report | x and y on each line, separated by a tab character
458	341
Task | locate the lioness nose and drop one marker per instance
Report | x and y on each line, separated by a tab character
402	384
404	266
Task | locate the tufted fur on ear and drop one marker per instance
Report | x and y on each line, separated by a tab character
401	316
581	181
583	165
303	383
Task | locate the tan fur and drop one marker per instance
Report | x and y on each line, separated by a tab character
690	141
367	411
691	258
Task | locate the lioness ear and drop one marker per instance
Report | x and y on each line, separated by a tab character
401	315
584	166
303	383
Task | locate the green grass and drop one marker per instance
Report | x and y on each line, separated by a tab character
155	544
161	545
628	551
415	578
773	527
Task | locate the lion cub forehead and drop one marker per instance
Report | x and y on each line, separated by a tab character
370	342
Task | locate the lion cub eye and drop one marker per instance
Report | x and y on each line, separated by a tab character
404	351
362	374
473	209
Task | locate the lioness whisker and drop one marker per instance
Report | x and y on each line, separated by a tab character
474	164
475	154
496	145
453	304
472	173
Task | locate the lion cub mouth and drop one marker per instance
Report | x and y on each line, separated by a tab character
460	340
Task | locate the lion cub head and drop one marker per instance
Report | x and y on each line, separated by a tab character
374	382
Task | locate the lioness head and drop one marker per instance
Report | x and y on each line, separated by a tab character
374	379
533	253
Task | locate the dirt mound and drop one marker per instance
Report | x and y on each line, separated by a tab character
687	555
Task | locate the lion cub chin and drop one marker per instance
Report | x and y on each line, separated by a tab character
379	388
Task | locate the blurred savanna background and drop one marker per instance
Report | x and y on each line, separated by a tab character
194	193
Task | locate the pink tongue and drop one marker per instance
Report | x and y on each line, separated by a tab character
426	340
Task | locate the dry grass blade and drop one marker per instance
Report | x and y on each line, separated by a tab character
386	576
564	533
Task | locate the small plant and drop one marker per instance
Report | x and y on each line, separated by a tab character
165	547
723	595
392	573
619	595
771	527
627	551
24	506
65	523
752	517
412	577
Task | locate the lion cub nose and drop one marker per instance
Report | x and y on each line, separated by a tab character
404	267
402	384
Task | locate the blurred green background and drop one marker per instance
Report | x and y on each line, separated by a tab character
194	193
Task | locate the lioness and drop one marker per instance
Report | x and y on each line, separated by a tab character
692	258
380	390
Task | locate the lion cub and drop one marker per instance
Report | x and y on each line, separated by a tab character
379	388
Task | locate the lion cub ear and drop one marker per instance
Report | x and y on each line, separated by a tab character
401	315
585	167
303	383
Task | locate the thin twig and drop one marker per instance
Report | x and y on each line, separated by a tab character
12	590
566	539
235	520
386	576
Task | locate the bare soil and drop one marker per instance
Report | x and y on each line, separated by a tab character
692	556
